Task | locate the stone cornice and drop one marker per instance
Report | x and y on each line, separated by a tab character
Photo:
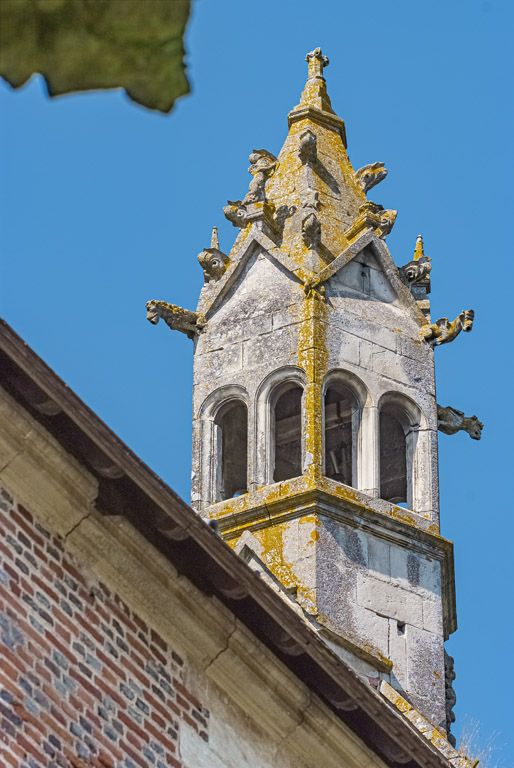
300	497
326	119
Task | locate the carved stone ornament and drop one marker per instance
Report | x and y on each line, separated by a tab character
387	219
372	216
253	206
416	271
316	63
236	212
213	261
311	231
370	175
308	148
450	421
262	166
176	318
443	331
450	696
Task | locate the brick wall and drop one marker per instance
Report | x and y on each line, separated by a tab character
83	680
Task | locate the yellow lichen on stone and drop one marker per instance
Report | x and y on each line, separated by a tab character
436	736
274	542
313	359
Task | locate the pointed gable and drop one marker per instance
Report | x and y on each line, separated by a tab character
362	278
246	299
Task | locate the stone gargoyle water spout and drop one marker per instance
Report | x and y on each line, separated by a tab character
370	175
176	318
213	261
443	331
450	421
418	270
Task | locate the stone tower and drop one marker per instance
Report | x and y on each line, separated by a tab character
315	421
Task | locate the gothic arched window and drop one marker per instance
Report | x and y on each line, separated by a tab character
287	432
342	414
399	425
231	421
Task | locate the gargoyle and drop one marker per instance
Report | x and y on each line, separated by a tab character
263	165
213	261
236	212
176	318
416	271
370	175
444	331
450	421
387	219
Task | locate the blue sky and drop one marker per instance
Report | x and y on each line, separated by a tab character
104	205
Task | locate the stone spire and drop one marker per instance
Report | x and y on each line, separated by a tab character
315	93
314	415
309	200
215	243
419	249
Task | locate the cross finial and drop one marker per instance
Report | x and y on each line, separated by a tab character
316	63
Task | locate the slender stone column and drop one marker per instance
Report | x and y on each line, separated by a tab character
369	452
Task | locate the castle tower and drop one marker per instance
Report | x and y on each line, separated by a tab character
315	420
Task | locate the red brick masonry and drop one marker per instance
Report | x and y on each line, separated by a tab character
83	680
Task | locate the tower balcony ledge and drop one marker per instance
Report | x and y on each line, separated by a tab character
277	499
319	500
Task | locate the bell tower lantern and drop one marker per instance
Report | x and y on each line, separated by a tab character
315	421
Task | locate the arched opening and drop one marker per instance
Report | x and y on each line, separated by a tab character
232	454
393	457
287	432
341	426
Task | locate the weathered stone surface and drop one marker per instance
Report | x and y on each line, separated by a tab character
435	735
219	698
389	600
336	376
450	421
79	46
443	331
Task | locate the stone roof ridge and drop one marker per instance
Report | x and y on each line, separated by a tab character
434	735
250	551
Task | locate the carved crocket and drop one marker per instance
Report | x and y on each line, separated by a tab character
263	165
374	216
450	696
444	331
311	230
450	421
308	147
370	175
387	219
176	318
